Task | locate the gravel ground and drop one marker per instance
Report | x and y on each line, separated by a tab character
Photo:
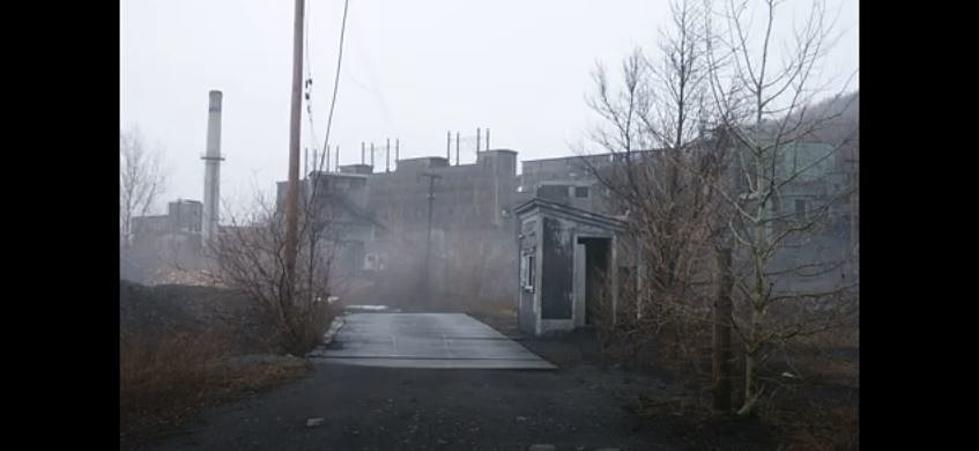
581	406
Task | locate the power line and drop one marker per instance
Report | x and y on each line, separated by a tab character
336	78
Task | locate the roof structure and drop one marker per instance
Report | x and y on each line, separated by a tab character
567	212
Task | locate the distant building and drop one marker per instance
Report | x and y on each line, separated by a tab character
162	241
183	216
340	200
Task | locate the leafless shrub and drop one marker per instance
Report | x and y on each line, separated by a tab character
249	256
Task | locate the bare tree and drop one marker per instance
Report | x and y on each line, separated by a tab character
249	256
141	180
766	112
655	135
707	144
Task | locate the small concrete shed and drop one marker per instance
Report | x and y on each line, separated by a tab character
565	256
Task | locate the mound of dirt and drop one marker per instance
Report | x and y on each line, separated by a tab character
143	309
166	309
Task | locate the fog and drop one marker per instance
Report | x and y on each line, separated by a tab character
411	70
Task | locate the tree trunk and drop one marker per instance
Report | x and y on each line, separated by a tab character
722	333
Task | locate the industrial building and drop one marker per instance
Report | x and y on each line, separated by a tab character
475	231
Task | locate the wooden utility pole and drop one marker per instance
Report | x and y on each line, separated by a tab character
295	125
426	279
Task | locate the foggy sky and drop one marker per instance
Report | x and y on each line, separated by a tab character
412	70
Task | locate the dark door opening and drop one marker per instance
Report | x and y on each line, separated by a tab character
596	271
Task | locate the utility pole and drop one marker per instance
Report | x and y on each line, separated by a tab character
427	289
295	126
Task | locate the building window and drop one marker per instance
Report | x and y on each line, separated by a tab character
581	191
800	209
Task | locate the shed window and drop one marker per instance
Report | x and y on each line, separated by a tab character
581	191
527	272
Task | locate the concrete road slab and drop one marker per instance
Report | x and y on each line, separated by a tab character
425	340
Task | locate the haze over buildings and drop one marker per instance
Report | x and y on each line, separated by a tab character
411	71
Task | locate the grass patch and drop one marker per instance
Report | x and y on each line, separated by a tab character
165	380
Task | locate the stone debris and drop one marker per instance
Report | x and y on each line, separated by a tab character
313	422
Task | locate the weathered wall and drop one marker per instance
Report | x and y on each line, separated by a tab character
557	270
530	275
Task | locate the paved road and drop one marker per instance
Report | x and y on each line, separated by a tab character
425	340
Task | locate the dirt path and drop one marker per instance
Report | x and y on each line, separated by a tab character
396	408
579	406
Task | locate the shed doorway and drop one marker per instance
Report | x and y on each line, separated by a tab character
596	270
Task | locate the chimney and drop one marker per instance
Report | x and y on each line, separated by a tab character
457	148
387	156
363	149
212	167
487	139
478	138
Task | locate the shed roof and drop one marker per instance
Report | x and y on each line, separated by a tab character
575	214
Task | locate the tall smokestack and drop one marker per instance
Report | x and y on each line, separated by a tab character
372	157
363	148
478	138
387	156
212	167
336	167
448	146
457	148
397	152
487	139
